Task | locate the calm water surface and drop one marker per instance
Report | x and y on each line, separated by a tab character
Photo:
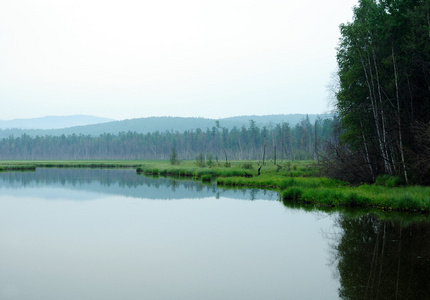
111	234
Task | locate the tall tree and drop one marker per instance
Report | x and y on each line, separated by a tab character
384	72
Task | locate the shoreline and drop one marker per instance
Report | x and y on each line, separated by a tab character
296	181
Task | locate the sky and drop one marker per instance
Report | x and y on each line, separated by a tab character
190	58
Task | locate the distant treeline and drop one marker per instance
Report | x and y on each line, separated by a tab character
280	141
144	125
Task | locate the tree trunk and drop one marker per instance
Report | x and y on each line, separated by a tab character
402	154
374	110
389	163
367	154
274	156
264	149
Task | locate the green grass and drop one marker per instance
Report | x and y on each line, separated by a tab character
406	198
388	215
8	168
297	182
206	178
72	163
191	169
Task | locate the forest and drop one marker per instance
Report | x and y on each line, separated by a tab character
281	141
383	99
381	125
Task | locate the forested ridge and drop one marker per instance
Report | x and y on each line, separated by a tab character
146	125
280	141
383	99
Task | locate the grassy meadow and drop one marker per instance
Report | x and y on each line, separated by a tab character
298	182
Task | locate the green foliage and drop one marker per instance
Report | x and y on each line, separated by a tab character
174	157
389	180
292	193
383	60
206	178
247	166
8	168
210	162
33	164
200	160
406	202
354	199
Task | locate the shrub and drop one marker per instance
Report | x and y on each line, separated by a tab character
381	179
389	180
247	166
394	181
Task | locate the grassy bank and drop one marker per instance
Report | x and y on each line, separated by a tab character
238	169
409	198
297	182
33	164
9	168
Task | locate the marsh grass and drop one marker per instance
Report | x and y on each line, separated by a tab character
206	178
409	198
72	164
190	169
17	168
406	217
32	165
297	182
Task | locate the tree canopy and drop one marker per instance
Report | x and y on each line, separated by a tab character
384	96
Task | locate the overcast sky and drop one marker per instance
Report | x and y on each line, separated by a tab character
128	59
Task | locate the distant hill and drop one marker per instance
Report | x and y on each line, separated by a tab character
163	124
52	122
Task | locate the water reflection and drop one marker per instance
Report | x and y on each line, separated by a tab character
379	259
125	183
117	247
216	248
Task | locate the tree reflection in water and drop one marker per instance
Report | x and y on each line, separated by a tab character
379	259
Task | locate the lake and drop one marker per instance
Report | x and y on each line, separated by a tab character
112	234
